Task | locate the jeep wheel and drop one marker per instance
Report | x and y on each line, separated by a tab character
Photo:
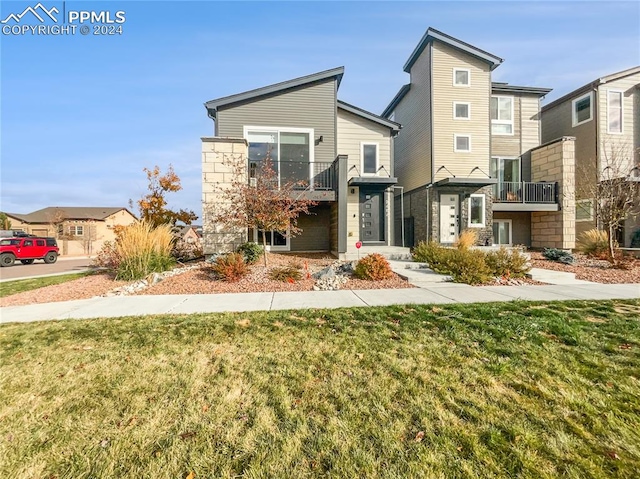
7	259
26	261
50	257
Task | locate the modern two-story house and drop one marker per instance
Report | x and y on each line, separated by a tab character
604	118
340	153
469	153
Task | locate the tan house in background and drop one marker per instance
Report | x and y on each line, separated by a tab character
79	230
604	118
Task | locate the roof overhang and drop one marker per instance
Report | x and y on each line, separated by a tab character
392	125
396	99
372	181
453	181
212	106
433	34
506	88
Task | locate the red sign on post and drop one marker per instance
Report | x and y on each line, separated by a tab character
358	244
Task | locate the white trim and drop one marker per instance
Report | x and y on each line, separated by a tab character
483	210
574	118
362	145
499	121
286	247
455	104
455	142
468	77
510	243
621	93
590	203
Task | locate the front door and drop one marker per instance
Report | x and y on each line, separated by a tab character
371	216
449	216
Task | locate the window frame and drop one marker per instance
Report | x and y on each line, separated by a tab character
574	116
504	220
362	145
498	121
621	93
455	142
455	104
483	209
462	85
73	230
588	201
287	236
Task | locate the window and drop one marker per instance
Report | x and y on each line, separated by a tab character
461	77
476	211
502	232
502	115
584	210
290	151
582	109
76	230
462	143
60	230
369	155
39	242
27	243
461	111
614	111
274	240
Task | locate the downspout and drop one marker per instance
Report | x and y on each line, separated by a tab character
598	156
429	214
401	212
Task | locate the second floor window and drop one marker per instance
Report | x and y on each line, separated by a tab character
461	77
461	143
502	115
369	158
614	111
582	109
76	230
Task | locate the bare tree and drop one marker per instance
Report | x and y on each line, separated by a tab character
615	193
270	203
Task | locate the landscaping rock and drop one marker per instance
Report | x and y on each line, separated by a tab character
324	273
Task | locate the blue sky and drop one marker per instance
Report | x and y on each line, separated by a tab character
82	115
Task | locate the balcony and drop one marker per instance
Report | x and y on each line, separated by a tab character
525	196
316	179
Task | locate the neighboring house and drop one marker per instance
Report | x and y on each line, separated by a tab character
79	230
343	154
191	234
467	155
604	118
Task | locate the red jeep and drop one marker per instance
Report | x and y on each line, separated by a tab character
27	250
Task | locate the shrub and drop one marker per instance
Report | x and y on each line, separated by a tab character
183	250
510	263
593	242
287	274
635	239
373	267
251	252
230	267
469	266
143	249
555	254
425	251
107	257
466	239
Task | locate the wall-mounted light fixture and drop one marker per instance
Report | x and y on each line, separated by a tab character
319	140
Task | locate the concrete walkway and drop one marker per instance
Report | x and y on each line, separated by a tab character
436	293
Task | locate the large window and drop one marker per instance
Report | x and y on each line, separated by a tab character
476	211
290	151
461	77
274	240
502	232
502	115
369	155
462	143
461	110
614	111
505	169
582	109
584	210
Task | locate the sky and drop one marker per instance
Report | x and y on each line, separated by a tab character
82	115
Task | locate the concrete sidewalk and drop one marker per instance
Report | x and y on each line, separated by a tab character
435	293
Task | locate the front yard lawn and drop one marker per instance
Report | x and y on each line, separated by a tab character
499	390
7	288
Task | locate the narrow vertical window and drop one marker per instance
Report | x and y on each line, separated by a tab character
369	158
476	211
614	111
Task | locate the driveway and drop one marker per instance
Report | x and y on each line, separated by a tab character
39	268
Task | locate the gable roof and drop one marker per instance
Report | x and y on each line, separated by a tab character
213	105
395	127
433	34
591	85
45	215
404	89
506	88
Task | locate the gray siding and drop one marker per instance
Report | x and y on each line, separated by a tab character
316	229
520	224
311	106
412	146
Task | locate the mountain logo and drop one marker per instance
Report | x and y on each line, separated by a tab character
38	11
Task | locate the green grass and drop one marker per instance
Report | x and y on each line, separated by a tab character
500	390
20	285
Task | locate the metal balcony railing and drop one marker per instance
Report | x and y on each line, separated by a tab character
312	175
525	192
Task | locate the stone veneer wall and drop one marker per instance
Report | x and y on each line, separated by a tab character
217	174
555	161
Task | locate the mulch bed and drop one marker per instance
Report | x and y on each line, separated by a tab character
591	269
